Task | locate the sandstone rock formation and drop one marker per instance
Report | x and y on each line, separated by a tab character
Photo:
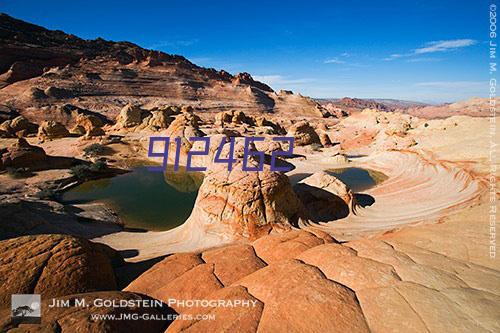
88	125
130	116
324	139
55	265
233	118
325	197
245	204
102	76
185	126
474	107
159	119
386	284
336	159
266	273
304	134
17	127
49	130
23	155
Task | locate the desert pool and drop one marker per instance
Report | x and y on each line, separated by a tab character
143	199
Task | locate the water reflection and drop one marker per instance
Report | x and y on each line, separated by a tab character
182	180
142	198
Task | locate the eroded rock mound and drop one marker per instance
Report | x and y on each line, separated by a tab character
185	125
232	118
304	134
49	130
17	127
23	155
245	204
130	116
88	125
159	119
55	265
326	197
325	139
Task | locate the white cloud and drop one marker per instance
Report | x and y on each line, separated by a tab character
445	45
334	61
423	59
434	46
395	56
172	44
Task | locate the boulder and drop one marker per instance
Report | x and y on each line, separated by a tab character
34	93
58	93
159	119
23	155
325	139
18	127
325	197
55	265
233	118
223	118
261	121
89	125
52	130
185	125
337	159
304	134
130	116
242	204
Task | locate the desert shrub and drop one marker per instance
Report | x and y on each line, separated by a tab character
80	171
316	147
84	171
94	149
98	166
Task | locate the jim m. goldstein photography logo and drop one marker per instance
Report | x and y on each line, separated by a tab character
26	308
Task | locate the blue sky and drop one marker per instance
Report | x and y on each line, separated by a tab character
432	51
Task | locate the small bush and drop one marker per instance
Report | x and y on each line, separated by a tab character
80	171
98	166
94	149
316	147
84	171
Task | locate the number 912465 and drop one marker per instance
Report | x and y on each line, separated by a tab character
228	159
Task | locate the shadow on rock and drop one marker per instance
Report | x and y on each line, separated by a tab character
322	205
364	200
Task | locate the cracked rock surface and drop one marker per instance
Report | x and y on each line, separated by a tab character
304	280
